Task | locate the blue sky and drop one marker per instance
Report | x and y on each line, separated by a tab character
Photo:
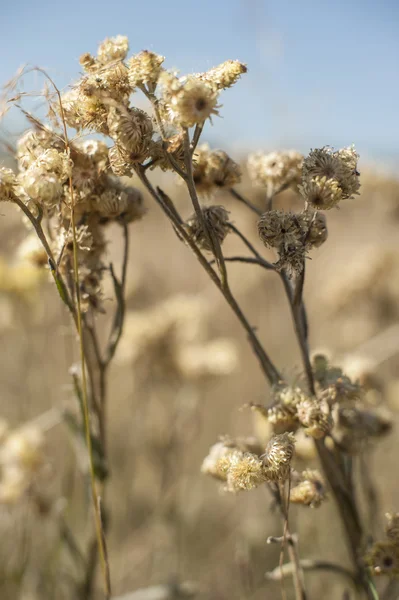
320	72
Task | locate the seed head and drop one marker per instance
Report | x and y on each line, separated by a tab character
329	176
217	462
309	490
276	170
245	472
216	218
383	558
224	75
132	130
188	101
314	417
144	69
113	49
119	162
213	170
321	192
88	62
316	228
124	204
8	182
282	418
278	456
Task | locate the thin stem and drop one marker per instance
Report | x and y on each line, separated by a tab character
196	137
295	302
250	247
267	366
289	541
98	522
312	565
247	259
247	203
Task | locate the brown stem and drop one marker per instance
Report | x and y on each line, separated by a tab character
247	203
267	366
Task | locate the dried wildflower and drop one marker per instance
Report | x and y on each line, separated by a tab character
132	130
52	161
119	162
357	425
321	192
46	189
309	490
245	472
282	418
124	204
8	182
317	229
392	527
284	232
88	62
336	386
314	417
95	151
216	219
275	171
112	49
224	75
214	169
33	143
383	558
188	101
162	152
329	176
217	462
278	228
278	456
144	69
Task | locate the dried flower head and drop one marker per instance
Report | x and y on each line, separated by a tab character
275	171
216	219
286	233
112	49
224	75
8	182
132	130
314	416
124	204
278	456
214	169
217	462
321	192
383	558
329	176
283	418
309	490
144	69
188	101
317	228
33	143
245	472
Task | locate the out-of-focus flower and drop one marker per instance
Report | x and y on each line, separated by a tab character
216	219
309	490
275	171
214	170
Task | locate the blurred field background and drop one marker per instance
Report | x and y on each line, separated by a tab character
167	522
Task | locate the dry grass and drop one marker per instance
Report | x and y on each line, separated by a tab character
166	520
